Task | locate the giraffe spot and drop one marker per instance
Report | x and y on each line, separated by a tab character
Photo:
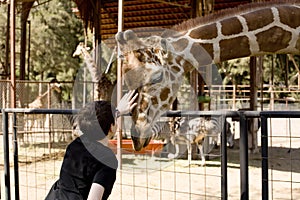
154	101
165	106
234	48
200	54
180	44
273	39
290	16
205	32
258	19
175	68
164	94
231	26
143	104
208	48
172	77
178	60
187	66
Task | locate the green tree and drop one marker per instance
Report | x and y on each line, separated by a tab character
55	33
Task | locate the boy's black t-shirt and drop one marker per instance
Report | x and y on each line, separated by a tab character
85	162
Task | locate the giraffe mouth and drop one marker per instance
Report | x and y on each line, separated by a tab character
139	142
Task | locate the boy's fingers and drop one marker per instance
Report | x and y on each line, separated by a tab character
130	93
133	98
132	106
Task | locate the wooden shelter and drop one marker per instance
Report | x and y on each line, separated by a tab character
102	16
145	13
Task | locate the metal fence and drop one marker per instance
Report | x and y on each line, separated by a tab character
32	165
45	94
71	95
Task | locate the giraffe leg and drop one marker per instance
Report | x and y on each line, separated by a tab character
189	150
176	154
203	160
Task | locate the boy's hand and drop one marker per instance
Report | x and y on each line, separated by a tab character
126	103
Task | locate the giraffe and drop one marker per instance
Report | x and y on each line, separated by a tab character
41	100
104	87
154	66
34	122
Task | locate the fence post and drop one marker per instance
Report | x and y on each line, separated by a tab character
224	159
6	155
244	174
264	156
16	158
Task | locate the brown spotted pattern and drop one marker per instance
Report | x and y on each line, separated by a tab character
231	26
289	16
206	32
238	46
262	18
273	40
180	45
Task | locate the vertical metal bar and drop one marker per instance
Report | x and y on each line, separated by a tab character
224	159
244	158
264	156
6	155
16	159
12	54
119	85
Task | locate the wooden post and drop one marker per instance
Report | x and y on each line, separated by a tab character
97	35
7	41
26	6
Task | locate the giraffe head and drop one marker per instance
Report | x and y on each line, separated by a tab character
80	49
156	74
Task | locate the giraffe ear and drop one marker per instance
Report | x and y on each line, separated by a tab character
120	37
164	44
130	35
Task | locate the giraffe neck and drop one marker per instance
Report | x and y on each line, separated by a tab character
259	31
91	65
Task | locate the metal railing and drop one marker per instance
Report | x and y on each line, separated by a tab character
242	116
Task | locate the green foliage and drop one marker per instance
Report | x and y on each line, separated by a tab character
235	71
55	33
278	70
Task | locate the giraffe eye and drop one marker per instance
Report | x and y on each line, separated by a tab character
157	78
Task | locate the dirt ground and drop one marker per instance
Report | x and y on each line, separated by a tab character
151	177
